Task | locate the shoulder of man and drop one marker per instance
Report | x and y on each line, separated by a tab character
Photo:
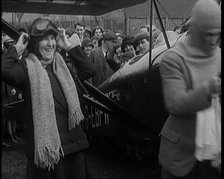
171	56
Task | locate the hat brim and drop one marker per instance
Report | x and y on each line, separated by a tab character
140	37
89	44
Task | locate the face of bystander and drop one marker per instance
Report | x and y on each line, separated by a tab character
118	53
98	33
88	49
87	34
109	44
129	48
79	31
143	46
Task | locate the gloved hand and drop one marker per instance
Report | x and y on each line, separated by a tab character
22	43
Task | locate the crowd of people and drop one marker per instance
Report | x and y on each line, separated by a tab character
107	51
44	71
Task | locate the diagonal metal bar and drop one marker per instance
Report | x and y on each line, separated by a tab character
161	25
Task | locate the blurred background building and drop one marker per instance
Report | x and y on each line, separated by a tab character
173	13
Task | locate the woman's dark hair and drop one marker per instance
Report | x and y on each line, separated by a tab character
128	40
33	45
94	29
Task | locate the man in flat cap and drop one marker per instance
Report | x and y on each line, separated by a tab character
141	41
99	56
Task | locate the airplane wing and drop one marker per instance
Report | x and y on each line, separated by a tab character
69	7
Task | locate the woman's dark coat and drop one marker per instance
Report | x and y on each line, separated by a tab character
14	72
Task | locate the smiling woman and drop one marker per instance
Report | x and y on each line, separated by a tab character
43	41
47	47
54	138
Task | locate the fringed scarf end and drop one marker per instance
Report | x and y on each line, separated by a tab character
48	156
75	118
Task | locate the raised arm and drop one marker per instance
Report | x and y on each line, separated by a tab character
85	68
13	69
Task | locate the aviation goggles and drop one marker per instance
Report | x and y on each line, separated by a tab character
43	26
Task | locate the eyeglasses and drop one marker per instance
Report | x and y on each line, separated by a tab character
43	26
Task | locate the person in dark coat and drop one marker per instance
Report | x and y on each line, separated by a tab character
99	58
54	139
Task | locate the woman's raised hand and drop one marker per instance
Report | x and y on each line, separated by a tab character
22	43
62	40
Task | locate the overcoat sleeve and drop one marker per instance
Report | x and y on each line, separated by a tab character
14	71
179	97
84	66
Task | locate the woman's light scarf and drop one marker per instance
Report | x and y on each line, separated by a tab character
47	143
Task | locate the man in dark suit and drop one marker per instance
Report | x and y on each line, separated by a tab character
99	56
